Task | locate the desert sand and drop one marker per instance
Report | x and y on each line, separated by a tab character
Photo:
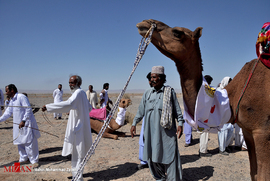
114	159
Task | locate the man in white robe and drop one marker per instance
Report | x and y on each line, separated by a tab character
203	152
58	97
78	137
225	135
92	97
24	136
1	101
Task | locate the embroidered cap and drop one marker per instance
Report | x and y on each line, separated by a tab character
157	70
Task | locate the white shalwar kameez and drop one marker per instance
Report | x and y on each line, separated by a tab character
78	137
239	137
92	98
1	101
58	97
26	137
105	97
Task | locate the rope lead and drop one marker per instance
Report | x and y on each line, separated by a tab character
142	47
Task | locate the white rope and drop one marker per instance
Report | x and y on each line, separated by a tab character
21	106
44	116
47	119
62	120
142	47
43	113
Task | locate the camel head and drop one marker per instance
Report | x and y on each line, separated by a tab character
124	103
176	43
182	46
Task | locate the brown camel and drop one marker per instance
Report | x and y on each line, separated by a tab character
182	46
110	132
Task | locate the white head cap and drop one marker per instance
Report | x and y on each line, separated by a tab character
157	70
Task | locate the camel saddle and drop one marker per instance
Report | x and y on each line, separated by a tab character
99	114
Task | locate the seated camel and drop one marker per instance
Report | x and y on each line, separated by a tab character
115	124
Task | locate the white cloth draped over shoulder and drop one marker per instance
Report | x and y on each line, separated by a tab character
78	132
19	113
212	109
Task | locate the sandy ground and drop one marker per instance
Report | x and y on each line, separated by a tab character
114	159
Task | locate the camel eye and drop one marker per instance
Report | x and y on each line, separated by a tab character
177	33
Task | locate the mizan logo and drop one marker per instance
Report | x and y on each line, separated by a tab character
18	168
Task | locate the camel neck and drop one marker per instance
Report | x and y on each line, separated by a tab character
191	80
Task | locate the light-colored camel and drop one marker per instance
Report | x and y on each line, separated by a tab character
110	132
182	46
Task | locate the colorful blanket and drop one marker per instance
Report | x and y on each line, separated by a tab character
98	113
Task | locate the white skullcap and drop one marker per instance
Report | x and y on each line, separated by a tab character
157	70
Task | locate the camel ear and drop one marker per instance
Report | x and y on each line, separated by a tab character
197	33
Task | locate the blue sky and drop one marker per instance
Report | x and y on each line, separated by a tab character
42	42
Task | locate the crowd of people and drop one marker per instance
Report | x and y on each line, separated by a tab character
158	149
226	135
159	111
78	136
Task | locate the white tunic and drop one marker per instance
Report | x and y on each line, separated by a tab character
105	97
92	98
78	132
19	114
57	95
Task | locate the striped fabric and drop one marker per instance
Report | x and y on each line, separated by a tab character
166	116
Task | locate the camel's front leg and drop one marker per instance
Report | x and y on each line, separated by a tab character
251	153
106	134
262	148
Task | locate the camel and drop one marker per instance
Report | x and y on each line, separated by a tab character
182	46
114	125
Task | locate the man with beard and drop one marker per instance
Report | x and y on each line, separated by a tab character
24	136
78	137
159	107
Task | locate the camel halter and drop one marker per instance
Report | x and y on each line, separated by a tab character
142	47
